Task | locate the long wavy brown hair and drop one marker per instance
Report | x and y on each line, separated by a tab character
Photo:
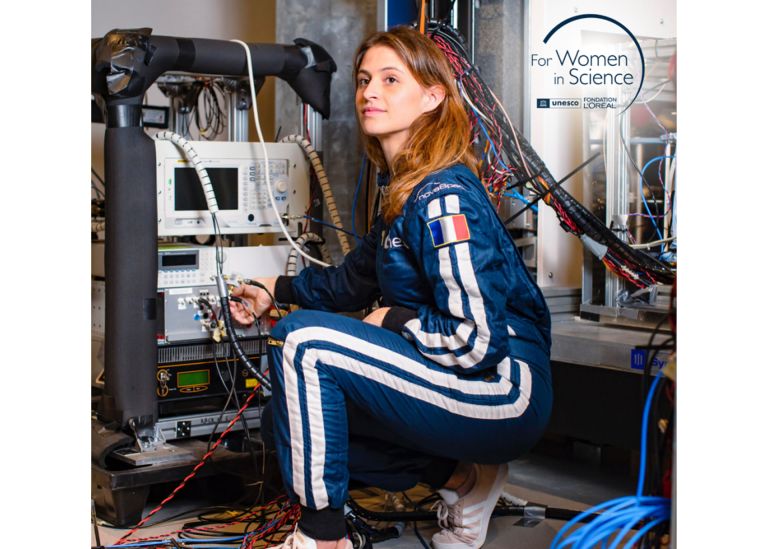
438	138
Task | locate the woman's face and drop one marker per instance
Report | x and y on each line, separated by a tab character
388	97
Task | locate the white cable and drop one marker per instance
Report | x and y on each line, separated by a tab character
266	158
325	186
511	499
290	269
652	244
604	141
210	197
670	186
469	102
479	113
661	89
202	173
505	173
671	177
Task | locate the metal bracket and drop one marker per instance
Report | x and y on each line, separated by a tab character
152	449
240	90
645	296
160	455
183	91
147	443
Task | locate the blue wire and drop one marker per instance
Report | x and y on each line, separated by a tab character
139	544
212	540
640	533
584	514
203	542
261	530
516	194
186	541
644	435
629	520
651	161
602	526
620	536
650	215
645	203
608	527
626	511
189	541
482	127
493	147
355	196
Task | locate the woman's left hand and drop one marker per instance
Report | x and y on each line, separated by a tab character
377	316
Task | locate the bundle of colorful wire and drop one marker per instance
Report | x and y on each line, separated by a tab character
273	522
509	162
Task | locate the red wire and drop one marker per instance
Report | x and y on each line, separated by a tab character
292	514
197	467
210	528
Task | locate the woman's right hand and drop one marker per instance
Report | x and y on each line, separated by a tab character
257	298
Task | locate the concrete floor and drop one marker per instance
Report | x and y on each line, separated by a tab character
539	479
543	480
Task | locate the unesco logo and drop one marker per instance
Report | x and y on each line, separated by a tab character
547	103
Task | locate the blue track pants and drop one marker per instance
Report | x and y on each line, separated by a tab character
320	362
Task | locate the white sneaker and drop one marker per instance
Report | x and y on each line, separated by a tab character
299	540
465	519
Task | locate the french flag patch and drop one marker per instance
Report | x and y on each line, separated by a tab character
448	230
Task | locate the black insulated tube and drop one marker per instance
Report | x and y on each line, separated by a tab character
127	62
499	511
236	347
130	265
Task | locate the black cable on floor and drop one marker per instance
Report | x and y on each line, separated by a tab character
418	535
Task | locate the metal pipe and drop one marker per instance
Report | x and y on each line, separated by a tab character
237	110
639	161
315	128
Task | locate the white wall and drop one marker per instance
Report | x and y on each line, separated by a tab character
247	20
557	134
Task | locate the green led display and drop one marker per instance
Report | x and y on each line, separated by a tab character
188	379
